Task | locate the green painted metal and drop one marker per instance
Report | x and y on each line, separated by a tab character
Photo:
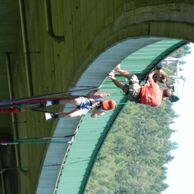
92	132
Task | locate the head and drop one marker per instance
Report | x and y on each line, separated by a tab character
167	93
159	66
109	105
161	76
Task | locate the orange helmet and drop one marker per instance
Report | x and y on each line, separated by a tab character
109	104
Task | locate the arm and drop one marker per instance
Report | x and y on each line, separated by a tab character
101	94
97	113
149	79
98	95
150	76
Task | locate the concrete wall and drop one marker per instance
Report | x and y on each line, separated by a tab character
90	27
9	25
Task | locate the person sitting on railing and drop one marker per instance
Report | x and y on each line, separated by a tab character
160	75
149	93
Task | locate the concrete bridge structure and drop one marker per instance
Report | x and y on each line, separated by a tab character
46	46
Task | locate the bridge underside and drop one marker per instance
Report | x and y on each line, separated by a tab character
48	46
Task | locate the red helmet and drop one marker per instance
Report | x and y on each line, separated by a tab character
109	104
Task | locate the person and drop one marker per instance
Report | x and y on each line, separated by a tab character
94	104
160	75
149	94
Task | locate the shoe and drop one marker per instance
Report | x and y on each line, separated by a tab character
49	103
117	68
111	74
52	102
49	116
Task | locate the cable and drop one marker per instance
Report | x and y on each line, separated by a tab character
42	140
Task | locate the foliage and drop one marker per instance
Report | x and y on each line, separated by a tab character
184	50
132	158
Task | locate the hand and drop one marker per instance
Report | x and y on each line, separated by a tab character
150	76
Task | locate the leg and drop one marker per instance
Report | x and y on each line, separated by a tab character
74	113
77	112
122	72
130	76
117	82
63	101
